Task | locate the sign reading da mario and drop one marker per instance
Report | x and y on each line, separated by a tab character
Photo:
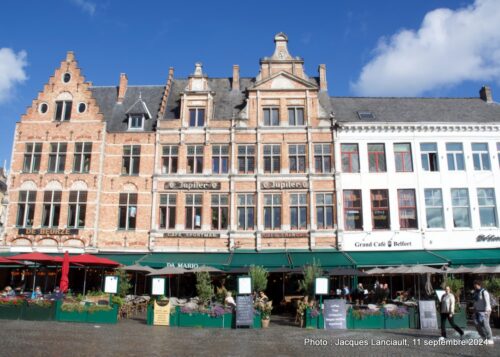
47	232
192	186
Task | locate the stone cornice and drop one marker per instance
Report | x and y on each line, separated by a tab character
417	127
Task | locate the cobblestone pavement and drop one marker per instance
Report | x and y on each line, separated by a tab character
134	338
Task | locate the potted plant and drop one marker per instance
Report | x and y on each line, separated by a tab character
264	309
311	272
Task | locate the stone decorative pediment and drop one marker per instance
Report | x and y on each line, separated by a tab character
283	80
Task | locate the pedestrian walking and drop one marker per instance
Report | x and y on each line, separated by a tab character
482	311
447	312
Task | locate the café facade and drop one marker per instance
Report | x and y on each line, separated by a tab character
266	170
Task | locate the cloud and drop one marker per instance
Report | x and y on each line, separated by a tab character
11	71
450	47
86	6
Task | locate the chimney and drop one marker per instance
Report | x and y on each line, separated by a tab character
236	77
485	94
122	89
323	86
70	56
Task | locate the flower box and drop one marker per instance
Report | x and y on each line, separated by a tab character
39	312
396	322
103	316
87	315
201	320
367	321
11	311
314	322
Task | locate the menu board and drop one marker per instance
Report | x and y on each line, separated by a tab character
161	314
111	284
334	314
244	310
158	286
244	285
428	315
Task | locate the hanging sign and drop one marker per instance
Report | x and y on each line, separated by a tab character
111	284
158	286
244	285
321	286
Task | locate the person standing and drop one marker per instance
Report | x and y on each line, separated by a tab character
482	311
447	312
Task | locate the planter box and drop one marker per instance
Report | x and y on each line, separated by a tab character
32	312
368	322
316	322
459	318
103	317
71	316
396	323
197	319
413	317
257	321
11	312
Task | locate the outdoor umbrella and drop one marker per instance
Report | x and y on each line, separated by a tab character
422	269
137	268
483	269
460	270
168	271
36	257
64	284
4	261
378	271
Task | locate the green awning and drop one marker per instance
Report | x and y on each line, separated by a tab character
393	258
124	259
266	259
470	256
327	259
186	260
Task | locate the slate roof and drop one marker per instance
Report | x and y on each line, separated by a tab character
115	113
416	110
227	103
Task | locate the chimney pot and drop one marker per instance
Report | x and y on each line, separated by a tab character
485	94
122	89
323	86
236	77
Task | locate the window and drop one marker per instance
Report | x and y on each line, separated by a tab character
51	208
353	215
272	158
82	107
455	156
298	210
246	159
57	157
380	209
272	211
32	157
26	208
136	122
169	159
193	211
295	116
402	157
83	152
297	158
195	159
220	159
429	155
365	115
487	207
63	110
407	209
481	157
66	77
127	211
246	211
498	153
376	158
131	159
220	211
271	117
196	117
77	207
461	207
322	158
324	210
434	208
350	157
167	211
43	108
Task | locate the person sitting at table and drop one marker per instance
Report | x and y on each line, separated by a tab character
229	300
57	294
8	292
37	293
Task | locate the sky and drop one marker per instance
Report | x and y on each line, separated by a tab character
434	48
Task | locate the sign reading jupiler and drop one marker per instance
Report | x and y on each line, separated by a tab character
281	185
192	186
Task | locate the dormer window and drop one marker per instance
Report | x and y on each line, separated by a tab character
365	115
63	110
197	117
136	122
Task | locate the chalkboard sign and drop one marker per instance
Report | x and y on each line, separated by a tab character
428	315
244	310
334	314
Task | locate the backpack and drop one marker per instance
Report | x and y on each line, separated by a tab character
493	300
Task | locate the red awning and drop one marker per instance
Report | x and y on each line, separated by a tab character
88	259
4	261
37	257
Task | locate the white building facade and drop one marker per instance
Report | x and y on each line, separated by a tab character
417	173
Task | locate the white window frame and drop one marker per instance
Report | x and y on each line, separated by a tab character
131	119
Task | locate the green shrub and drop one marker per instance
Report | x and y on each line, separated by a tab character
311	272
259	277
204	287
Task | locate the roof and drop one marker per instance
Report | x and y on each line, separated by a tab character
115	113
227	102
416	110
